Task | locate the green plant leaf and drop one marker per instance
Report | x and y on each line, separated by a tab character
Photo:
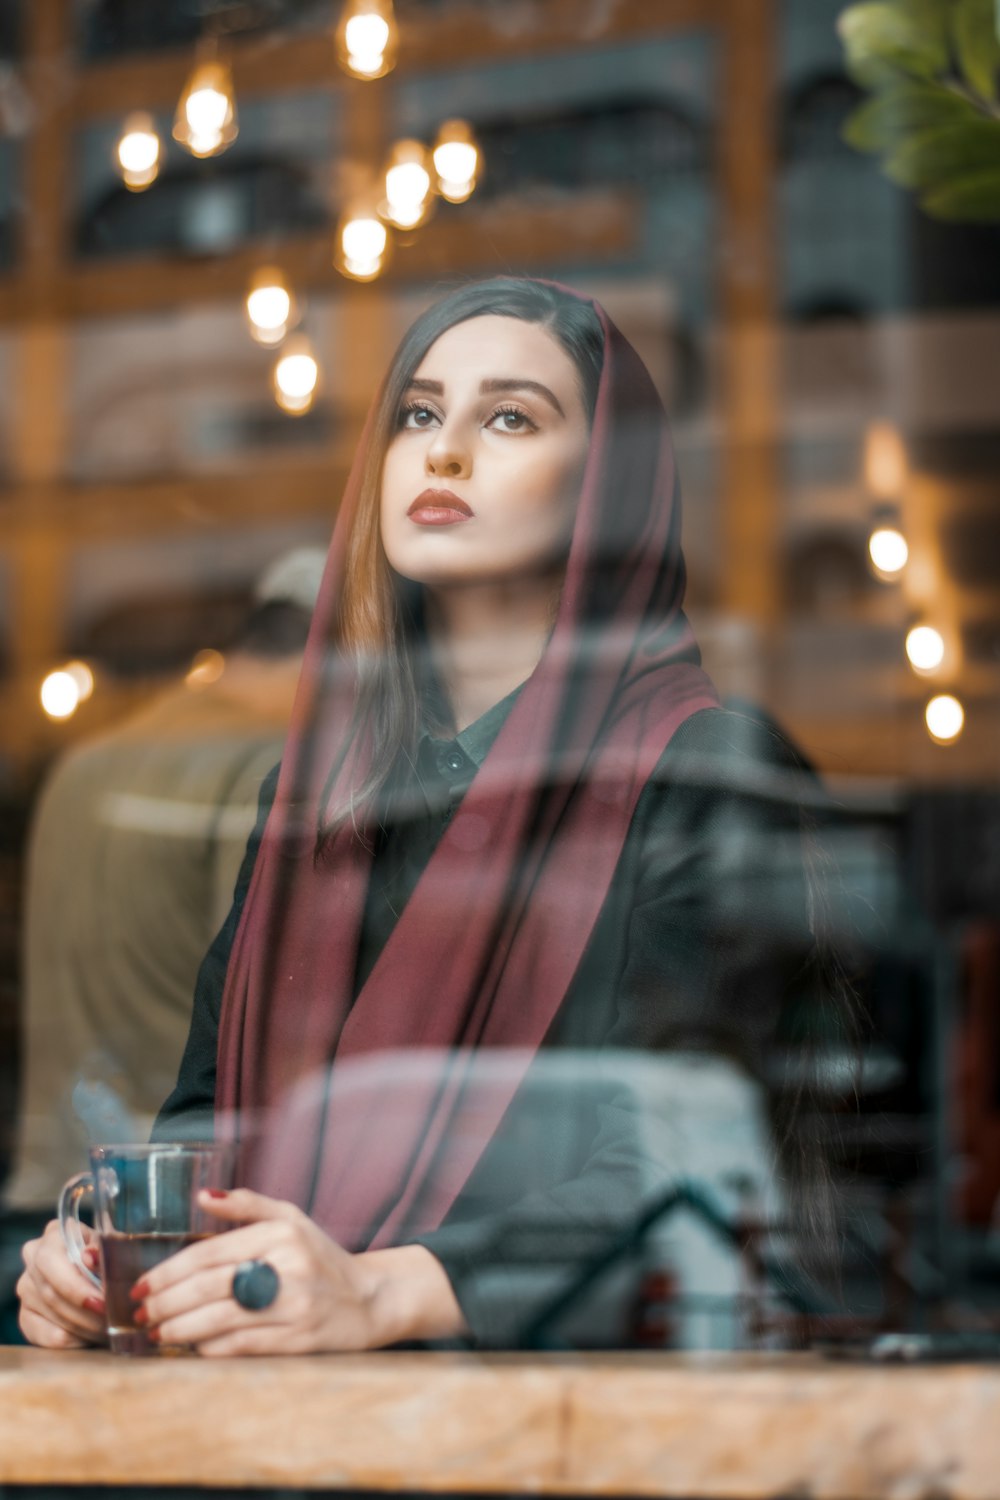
977	46
897	112
940	157
884	39
975	198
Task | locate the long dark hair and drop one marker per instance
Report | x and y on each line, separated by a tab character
379	617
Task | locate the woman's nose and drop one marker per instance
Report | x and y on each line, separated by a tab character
448	457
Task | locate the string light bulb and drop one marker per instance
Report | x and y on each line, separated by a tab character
367	38
924	648
83	676
60	694
362	244
456	161
296	377
945	718
888	549
138	152
206	121
270	306
407	186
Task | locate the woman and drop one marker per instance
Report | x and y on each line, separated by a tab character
511	820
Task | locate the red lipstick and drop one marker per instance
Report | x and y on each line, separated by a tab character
438	508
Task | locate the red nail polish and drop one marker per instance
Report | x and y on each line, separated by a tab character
94	1305
140	1291
91	1256
217	1192
153	1334
140	1317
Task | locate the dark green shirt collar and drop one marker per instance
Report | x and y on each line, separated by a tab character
457	759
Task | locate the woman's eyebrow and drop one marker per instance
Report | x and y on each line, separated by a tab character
521	384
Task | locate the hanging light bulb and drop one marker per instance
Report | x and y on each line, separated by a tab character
296	377
887	546
82	676
456	161
408	198
206	123
924	648
885	461
945	718
367	38
270	306
362	244
138	152
60	695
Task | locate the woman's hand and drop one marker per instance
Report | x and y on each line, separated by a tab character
328	1299
60	1308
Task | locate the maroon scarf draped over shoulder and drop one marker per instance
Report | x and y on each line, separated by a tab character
485	950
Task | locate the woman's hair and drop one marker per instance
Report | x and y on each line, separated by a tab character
379	621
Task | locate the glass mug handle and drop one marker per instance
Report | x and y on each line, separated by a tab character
69	1222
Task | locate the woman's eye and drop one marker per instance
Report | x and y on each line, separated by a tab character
417	416
511	419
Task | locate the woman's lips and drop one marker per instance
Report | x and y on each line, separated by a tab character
438	508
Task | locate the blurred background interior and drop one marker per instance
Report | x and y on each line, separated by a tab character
203	269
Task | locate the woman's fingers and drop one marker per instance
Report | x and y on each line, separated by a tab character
47	1335
243	1205
52	1289
212	1285
213	1320
229	1249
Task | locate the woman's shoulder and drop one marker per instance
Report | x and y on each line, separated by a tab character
722	755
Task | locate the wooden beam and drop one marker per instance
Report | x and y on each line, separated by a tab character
44	222
429	43
86	513
500	236
749	579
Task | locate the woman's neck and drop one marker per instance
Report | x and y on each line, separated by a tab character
486	639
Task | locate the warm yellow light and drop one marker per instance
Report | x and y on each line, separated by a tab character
367	38
362	244
456	161
82	676
407	185
206	668
138	152
885	461
296	377
206	122
945	718
925	648
888	550
270	306
60	695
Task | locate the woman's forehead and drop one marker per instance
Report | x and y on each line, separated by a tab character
495	346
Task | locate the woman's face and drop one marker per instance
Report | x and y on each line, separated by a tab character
482	475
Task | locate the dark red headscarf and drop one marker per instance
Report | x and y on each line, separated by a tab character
486	948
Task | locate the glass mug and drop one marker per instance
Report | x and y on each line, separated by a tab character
145	1208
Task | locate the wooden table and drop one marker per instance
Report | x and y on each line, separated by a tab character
678	1425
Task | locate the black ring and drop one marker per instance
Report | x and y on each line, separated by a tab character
255	1285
